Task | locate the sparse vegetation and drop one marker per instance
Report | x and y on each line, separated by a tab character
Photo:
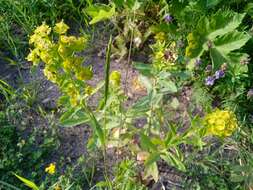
126	95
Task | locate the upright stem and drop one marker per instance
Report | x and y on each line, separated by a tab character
129	56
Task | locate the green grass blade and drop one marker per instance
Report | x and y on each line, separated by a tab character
107	69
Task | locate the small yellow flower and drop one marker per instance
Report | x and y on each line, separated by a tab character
115	78
221	123
67	64
51	168
33	56
57	187
84	73
89	89
159	55
61	28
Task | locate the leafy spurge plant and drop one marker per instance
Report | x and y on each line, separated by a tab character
62	64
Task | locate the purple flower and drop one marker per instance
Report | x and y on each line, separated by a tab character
208	68
209	81
219	74
168	18
198	62
250	93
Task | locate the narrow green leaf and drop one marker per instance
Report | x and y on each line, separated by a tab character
96	126
9	185
75	121
74	117
173	161
27	182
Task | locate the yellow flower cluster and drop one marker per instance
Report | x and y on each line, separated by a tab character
164	58
51	168
221	123
62	65
160	36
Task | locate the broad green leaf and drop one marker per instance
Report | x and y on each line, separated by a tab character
144	69
237	178
231	41
100	12
219	34
217	58
208	29
220	53
27	182
223	22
